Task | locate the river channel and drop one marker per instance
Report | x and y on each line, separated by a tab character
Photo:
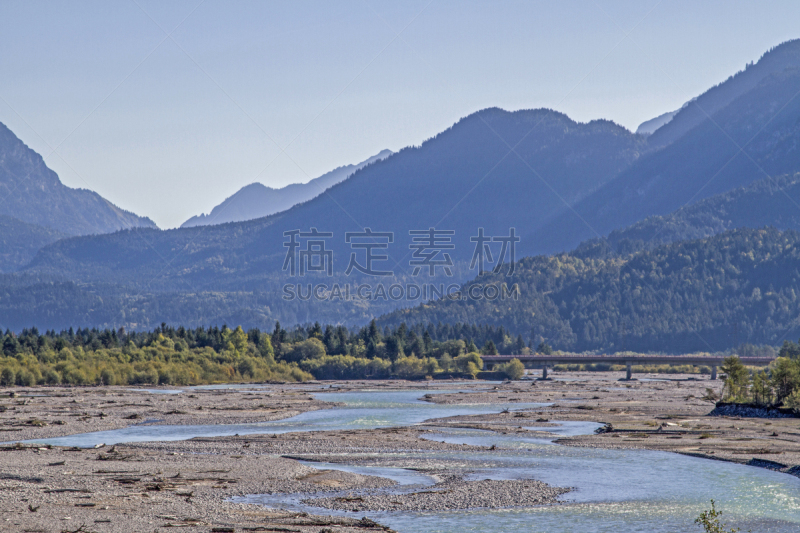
613	490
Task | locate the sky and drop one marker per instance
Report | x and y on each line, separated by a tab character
167	108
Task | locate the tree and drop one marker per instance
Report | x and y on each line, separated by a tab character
307	349
373	334
394	348
761	389
519	345
785	377
735	388
277	339
7	377
489	348
544	348
239	339
470	363
329	340
316	331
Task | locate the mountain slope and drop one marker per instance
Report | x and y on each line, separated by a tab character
697	111
19	242
701	295
773	202
765	122
257	200
32	193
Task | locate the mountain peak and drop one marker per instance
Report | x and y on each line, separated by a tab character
37	196
257	200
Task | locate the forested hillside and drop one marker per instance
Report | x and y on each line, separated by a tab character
19	242
707	294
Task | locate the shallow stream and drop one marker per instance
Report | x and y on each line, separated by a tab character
614	490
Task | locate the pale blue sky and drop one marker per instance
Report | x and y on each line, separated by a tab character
169	129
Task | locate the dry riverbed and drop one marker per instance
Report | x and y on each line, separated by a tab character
149	486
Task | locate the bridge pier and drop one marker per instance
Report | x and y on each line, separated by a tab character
713	372
628	365
544	372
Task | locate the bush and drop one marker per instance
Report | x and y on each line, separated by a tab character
75	376
107	377
8	377
513	370
462	363
304	350
415	367
793	401
710	522
25	378
52	377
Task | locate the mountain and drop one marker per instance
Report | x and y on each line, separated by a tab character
555	181
19	242
257	200
753	137
463	179
697	111
649	126
700	295
32	193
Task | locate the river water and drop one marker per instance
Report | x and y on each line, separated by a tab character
614	490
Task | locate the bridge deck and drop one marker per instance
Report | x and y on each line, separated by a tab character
628	360
624	359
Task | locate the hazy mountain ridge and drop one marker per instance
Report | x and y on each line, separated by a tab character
33	193
696	111
415	188
467	177
257	200
704	162
649	126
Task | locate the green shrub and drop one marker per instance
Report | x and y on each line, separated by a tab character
8	377
25	378
513	370
52	377
304	350
107	377
75	376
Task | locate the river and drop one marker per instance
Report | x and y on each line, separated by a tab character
613	490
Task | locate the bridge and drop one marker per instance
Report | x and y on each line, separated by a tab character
543	361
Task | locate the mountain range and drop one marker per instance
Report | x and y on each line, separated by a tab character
464	178
597	196
257	200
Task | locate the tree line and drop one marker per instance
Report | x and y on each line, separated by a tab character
170	355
